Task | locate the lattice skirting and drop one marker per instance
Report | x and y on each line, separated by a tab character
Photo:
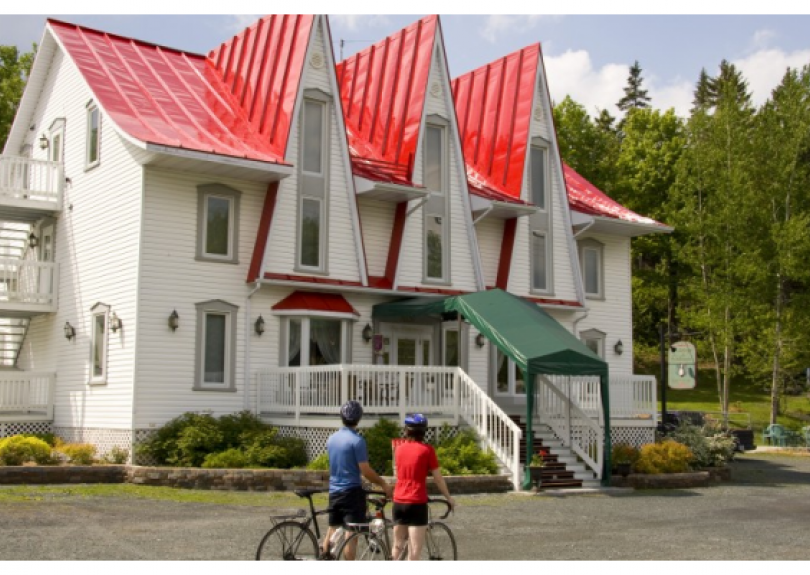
104	439
635	436
9	429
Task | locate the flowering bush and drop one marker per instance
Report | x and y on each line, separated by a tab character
667	456
624	453
78	453
19	449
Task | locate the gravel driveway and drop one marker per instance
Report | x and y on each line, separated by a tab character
762	514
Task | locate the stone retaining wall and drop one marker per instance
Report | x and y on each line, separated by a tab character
219	479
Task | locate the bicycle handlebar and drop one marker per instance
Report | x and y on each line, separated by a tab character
383	501
444	502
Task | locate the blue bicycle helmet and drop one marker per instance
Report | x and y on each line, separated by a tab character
351	412
416	420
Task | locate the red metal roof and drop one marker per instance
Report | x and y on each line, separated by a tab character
236	103
315	301
382	89
494	109
584	197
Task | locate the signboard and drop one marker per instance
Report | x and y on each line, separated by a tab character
378	343
682	361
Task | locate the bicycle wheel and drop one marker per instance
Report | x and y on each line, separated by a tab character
366	547
288	541
440	545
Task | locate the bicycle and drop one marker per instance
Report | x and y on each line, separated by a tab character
372	541
291	538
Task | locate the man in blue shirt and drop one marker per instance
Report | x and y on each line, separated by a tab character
348	462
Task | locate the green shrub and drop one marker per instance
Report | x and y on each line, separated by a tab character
230	459
20	449
162	445
196	441
624	453
668	456
320	463
462	455
378	440
709	447
237	428
48	438
117	455
79	453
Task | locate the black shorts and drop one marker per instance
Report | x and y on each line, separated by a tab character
347	507
411	514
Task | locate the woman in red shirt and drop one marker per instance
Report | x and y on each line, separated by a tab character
414	461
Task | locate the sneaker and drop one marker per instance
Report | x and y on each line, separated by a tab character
326	556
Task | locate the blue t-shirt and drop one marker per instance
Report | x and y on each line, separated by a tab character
347	450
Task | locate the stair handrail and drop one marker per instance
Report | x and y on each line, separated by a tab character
560	413
495	428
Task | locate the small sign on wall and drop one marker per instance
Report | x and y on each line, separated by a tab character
378	343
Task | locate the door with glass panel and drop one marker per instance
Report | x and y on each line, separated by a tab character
45	283
413	347
508	379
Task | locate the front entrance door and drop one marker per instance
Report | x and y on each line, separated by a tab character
413	346
45	257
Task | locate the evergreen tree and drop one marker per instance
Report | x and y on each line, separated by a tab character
14	71
703	92
634	95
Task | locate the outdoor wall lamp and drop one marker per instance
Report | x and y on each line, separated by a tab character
259	326
480	340
367	333
70	331
33	240
115	322
619	347
174	321
43	142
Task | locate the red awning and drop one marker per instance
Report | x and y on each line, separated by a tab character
301	301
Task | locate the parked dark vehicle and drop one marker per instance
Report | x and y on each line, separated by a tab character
743	438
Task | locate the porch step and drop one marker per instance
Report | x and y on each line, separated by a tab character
561	469
12	335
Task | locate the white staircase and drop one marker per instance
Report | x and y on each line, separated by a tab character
565	455
13	329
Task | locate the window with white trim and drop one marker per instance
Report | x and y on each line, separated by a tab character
595	340
216	346
93	150
218	223
311	340
99	341
592	266
540	237
508	378
538	170
436	210
56	144
539	251
313	188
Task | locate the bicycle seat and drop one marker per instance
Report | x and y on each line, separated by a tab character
307	492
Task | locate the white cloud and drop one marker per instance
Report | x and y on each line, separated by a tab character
496	26
762	38
764	69
355	22
239	22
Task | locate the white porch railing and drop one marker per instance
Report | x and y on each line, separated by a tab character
33	180
631	396
26	394
578	431
28	281
392	390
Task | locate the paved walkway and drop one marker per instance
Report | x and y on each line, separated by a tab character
762	514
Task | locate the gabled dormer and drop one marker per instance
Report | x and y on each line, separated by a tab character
407	164
516	179
281	71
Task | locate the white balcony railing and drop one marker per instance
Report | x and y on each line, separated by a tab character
28	282
24	180
26	396
631	396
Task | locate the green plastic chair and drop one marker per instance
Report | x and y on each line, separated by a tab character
806	435
775	434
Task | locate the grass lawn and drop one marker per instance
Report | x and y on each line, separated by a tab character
745	396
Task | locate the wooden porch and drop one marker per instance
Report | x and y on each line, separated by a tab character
26	396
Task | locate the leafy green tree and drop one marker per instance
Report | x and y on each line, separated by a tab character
634	95
14	71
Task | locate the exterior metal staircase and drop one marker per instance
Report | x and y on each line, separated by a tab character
13	329
562	469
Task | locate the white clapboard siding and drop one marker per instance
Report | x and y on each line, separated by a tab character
462	252
490	238
614	314
377	221
343	251
96	246
172	279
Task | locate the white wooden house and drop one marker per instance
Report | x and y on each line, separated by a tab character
211	233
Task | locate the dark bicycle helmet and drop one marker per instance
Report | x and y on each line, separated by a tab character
416	420
351	412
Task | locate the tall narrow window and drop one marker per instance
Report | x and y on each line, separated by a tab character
312	206
218	223
436	223
56	147
537	176
539	262
216	346
98	343
93	136
591	254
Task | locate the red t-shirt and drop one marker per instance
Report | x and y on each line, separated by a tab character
414	462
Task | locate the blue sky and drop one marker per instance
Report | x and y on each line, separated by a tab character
587	51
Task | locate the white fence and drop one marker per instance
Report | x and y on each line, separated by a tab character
631	396
26	395
28	281
27	179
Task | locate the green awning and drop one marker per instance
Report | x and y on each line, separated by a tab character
536	342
